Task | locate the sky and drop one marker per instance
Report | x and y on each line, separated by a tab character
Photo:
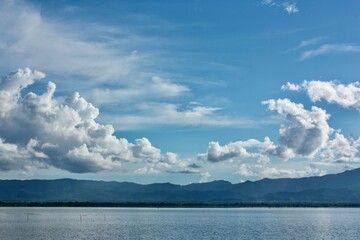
178	91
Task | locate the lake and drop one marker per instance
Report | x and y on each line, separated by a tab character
174	223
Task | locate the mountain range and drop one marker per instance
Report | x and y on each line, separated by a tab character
332	188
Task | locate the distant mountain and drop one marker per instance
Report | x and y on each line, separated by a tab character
333	188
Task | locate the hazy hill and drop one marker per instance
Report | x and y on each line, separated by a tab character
332	188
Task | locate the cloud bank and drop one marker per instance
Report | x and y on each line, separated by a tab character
38	131
306	134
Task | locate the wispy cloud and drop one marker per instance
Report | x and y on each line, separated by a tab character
154	114
288	6
29	39
104	64
330	49
268	2
307	43
154	89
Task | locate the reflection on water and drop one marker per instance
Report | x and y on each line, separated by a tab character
152	223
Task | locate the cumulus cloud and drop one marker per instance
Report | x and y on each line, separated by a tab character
291	87
306	133
41	131
345	95
245	171
340	150
330	49
251	148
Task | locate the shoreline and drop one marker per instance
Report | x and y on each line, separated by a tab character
179	205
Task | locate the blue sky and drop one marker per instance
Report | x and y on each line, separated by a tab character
190	88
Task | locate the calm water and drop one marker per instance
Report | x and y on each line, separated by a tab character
152	223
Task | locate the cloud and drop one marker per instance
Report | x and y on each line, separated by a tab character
203	177
307	43
266	171
157	113
340	150
251	148
38	130
291	87
306	133
114	67
30	39
15	157
330	49
268	2
345	95
245	171
273	172
156	88
194	166
290	8
168	163
146	171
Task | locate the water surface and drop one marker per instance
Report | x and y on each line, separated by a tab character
166	223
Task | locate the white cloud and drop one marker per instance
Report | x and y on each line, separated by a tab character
98	59
272	172
290	8
155	113
65	135
265	171
157	88
330	49
308	42
291	87
340	150
102	62
203	177
14	157
245	171
146	171
30	39
345	95
306	133
240	150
